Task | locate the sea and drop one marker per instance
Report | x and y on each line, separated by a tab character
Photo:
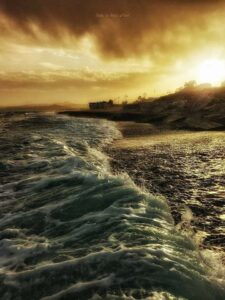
71	228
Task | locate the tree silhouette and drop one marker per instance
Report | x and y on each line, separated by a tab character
190	84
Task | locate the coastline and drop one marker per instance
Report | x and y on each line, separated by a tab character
184	165
196	110
173	164
107	114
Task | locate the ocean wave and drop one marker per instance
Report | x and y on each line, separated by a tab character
72	230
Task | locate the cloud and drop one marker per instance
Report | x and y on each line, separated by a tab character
46	45
120	28
75	86
53	80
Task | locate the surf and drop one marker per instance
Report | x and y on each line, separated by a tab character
71	229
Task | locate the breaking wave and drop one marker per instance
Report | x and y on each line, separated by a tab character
70	229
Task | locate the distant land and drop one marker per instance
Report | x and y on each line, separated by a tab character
52	107
193	107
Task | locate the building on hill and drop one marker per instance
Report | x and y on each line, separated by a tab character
101	104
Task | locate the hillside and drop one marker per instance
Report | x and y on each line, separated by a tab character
187	109
198	108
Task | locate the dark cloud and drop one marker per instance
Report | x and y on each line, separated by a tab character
119	27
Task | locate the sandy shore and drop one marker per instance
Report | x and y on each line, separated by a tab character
187	168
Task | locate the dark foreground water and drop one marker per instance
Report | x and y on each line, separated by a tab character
188	168
70	229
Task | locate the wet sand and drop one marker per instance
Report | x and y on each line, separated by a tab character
187	168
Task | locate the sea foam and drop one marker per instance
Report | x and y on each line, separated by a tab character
70	229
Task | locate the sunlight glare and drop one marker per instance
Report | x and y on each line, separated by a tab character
211	71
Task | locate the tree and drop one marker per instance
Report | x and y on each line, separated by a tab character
190	84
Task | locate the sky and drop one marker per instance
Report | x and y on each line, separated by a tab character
55	51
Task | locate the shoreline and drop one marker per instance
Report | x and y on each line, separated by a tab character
172	164
108	114
162	117
146	154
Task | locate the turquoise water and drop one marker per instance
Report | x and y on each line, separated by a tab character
72	230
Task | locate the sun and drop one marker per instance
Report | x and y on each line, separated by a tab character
211	71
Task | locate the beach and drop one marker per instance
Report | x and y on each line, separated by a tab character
187	168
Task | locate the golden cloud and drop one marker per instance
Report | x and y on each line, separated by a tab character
119	28
47	45
67	79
